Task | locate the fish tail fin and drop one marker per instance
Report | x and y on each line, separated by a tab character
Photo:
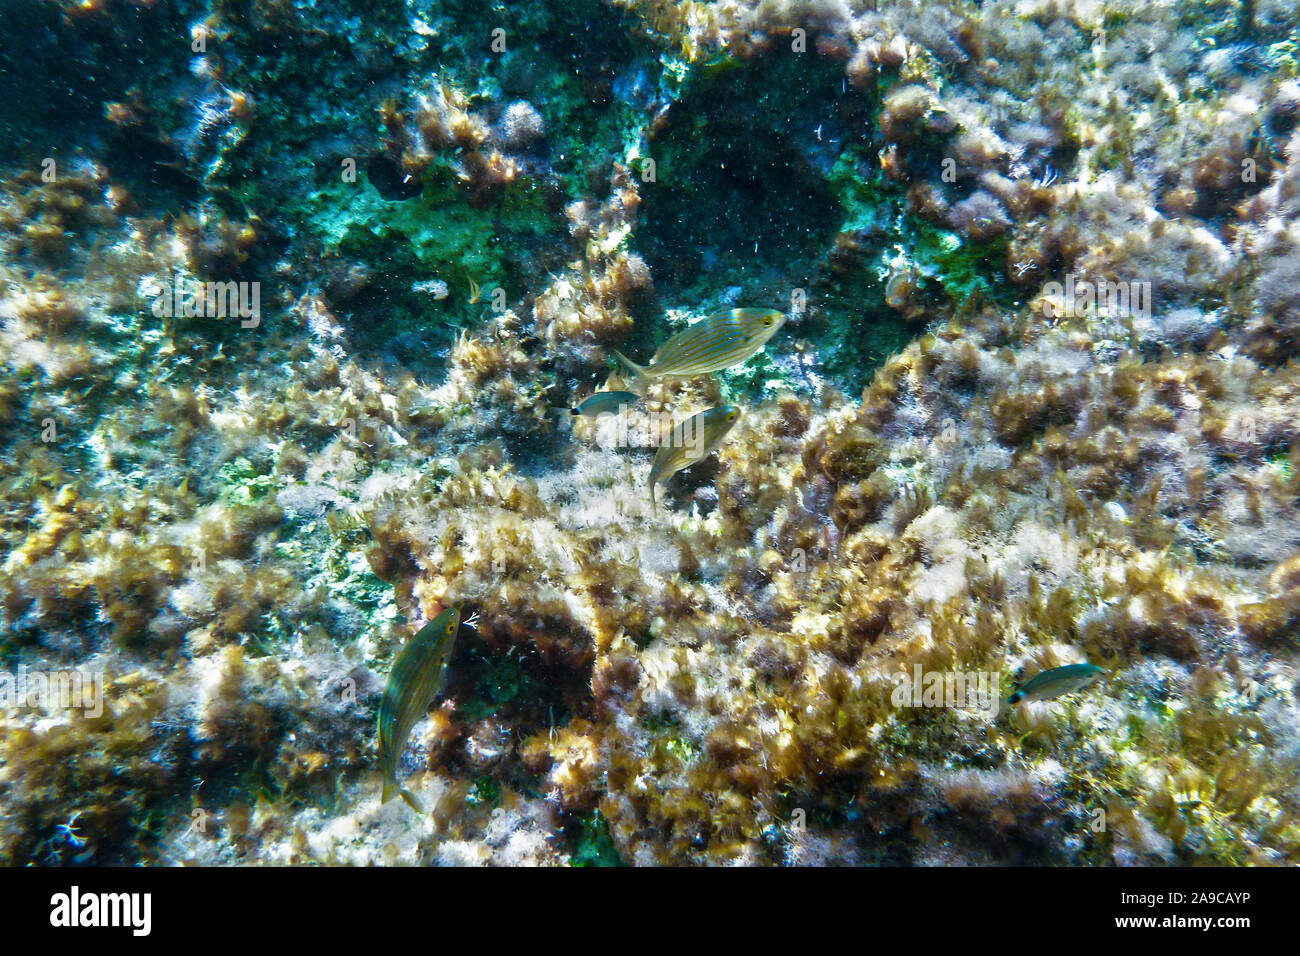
640	381
410	800
393	789
1015	698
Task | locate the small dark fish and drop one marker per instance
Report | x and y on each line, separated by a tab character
605	403
1056	682
413	683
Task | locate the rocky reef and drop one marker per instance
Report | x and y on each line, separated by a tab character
287	315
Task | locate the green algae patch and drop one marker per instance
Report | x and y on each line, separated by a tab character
437	236
239	481
866	201
878	239
485	792
875	206
593	844
511	685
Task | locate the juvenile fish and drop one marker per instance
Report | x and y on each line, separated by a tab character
689	441
720	341
1056	682
604	403
413	683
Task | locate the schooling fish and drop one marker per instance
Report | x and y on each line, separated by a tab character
720	341
604	403
1056	682
689	441
412	685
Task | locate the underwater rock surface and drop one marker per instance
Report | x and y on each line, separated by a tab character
291	294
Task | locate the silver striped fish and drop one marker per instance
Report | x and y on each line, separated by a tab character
605	403
720	341
1056	682
690	440
413	683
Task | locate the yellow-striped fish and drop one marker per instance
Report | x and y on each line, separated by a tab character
720	341
412	685
689	441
